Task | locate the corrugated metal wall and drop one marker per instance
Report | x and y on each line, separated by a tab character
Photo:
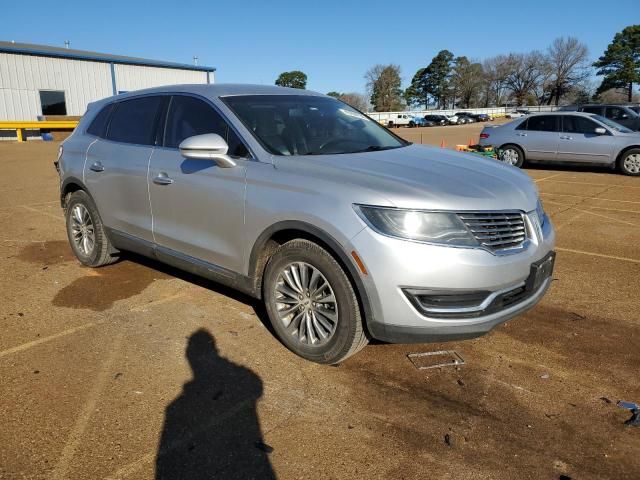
22	76
134	77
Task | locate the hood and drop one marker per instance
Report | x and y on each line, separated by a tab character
424	177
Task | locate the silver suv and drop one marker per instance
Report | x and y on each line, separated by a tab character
343	229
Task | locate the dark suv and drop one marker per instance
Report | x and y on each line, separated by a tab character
621	114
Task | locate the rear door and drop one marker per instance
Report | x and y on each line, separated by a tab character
579	142
198	207
538	135
116	167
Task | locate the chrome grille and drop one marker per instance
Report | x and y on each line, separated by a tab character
496	230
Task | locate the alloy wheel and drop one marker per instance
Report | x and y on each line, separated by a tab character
306	304
82	229
510	156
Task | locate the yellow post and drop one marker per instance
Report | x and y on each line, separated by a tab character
19	134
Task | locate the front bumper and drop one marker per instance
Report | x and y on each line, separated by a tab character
397	269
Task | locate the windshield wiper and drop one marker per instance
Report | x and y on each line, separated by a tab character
376	148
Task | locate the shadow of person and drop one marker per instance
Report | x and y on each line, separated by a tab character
211	430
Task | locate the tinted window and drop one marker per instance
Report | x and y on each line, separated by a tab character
133	121
189	116
99	123
616	113
543	123
597	110
53	102
575	124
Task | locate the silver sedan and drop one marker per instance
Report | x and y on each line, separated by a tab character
571	137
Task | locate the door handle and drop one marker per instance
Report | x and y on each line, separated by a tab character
566	137
521	134
162	179
97	167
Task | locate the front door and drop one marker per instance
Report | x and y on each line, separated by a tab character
198	207
116	167
578	141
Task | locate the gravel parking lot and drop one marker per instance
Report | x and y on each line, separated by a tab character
138	371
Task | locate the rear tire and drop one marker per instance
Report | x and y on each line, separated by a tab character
629	162
299	274
86	232
512	155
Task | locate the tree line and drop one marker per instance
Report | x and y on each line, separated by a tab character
560	74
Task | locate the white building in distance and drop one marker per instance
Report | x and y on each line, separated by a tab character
40	80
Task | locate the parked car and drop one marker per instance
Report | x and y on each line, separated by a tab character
454	120
420	122
343	229
574	137
519	113
622	114
483	117
437	119
469	117
399	120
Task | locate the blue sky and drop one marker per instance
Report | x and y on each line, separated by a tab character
333	42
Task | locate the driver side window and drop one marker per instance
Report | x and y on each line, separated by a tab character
575	124
189	116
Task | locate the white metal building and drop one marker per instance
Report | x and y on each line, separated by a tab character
37	80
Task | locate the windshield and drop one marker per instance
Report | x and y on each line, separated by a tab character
310	125
610	123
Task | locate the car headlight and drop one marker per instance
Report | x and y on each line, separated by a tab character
432	227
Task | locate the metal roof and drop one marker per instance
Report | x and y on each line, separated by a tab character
59	52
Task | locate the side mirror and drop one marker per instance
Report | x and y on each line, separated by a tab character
600	131
209	146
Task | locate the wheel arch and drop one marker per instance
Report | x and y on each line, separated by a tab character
625	150
70	185
282	232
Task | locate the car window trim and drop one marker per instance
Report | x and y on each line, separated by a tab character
251	156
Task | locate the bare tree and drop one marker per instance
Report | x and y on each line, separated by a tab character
356	100
466	81
494	80
383	87
567	60
525	72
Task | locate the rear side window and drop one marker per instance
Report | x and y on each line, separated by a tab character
543	123
575	124
134	121
597	110
98	126
189	116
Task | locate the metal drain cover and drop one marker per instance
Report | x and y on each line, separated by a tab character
441	358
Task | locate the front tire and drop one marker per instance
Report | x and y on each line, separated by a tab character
629	162
311	303
512	155
86	233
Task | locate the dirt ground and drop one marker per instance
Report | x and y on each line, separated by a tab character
139	371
